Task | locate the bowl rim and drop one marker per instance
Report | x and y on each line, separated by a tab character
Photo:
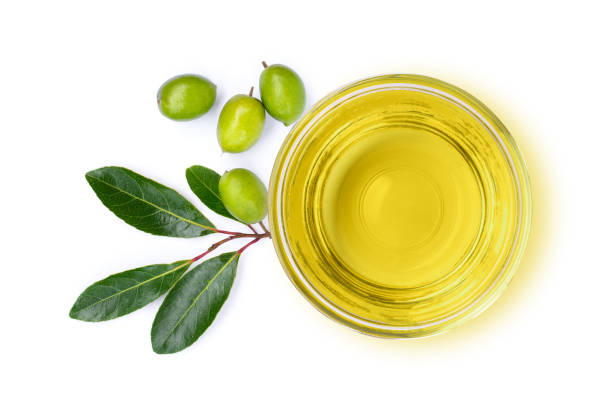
476	109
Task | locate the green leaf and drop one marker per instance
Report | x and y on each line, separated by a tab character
127	291
146	204
191	306
204	183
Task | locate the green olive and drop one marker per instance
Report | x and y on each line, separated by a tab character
186	97
244	195
282	93
240	123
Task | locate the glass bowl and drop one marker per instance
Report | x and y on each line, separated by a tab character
400	206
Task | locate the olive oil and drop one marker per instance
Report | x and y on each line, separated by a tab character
400	206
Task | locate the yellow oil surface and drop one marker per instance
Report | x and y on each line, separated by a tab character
398	209
401	208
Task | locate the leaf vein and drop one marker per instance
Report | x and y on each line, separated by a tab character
198	297
154	205
114	295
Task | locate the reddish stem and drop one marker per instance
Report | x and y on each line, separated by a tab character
234	235
215	246
225	232
241	250
233	232
262	225
264	64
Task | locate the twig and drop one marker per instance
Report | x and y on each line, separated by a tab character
264	227
217	245
241	250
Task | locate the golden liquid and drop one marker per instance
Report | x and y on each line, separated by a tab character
397	209
398	195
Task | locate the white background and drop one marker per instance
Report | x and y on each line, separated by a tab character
77	91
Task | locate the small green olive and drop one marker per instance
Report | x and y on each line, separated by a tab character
244	195
282	93
240	123
186	97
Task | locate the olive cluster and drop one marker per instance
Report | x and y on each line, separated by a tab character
240	125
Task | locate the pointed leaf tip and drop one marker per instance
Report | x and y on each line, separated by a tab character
204	183
127	291
193	303
146	204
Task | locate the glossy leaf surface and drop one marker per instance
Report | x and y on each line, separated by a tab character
192	305
124	292
204	183
146	204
